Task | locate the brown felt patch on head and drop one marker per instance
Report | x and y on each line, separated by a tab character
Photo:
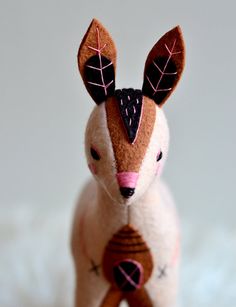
164	66
130	156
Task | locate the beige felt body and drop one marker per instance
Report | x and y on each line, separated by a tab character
100	213
127	193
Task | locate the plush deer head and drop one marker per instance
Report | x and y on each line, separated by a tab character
127	134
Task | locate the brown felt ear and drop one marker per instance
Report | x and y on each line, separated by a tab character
97	62
164	66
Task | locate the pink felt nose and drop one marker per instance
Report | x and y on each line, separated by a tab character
127	179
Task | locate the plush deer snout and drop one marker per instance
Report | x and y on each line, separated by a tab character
127	183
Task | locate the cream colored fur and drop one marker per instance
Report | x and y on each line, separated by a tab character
101	211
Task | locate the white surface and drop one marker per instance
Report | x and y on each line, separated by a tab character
36	267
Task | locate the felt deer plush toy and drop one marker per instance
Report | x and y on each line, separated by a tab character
125	236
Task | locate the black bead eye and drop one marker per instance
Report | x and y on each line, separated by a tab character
159	156
95	155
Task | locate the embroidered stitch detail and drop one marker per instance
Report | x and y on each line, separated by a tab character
162	272
130	104
94	267
128	274
163	71
99	73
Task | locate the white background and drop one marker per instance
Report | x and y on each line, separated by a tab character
44	106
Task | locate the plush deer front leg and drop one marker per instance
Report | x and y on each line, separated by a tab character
113	298
137	298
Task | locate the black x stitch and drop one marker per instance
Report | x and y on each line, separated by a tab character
94	267
162	272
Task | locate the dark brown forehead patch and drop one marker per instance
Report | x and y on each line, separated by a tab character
130	156
130	104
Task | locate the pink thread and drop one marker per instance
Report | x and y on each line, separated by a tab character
101	68
171	51
164	89
127	179
97	84
107	65
140	119
163	72
97	68
129	277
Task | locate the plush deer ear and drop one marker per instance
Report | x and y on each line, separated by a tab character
97	61
164	66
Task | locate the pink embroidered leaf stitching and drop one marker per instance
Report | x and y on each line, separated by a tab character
101	68
163	72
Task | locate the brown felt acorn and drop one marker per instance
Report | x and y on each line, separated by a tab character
127	245
125	236
127	264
